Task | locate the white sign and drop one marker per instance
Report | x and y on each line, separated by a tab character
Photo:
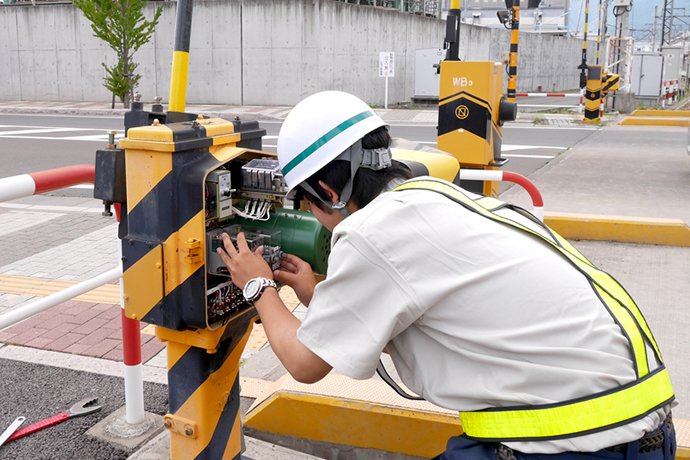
386	64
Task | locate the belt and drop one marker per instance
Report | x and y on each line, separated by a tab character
650	441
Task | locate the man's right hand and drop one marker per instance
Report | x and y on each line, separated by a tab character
297	274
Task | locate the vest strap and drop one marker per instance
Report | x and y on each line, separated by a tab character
577	417
598	412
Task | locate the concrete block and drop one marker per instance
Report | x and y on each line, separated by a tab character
157	449
115	430
624	101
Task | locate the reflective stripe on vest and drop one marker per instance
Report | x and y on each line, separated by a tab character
583	415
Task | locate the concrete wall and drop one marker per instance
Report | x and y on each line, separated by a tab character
258	52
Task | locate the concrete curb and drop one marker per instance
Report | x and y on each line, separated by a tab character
660	113
28	110
656	121
667	232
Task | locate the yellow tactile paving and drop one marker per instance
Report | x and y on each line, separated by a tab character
43	287
683	436
257	338
253	388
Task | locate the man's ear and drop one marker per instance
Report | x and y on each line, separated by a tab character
332	195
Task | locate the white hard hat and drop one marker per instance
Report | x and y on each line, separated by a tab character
318	130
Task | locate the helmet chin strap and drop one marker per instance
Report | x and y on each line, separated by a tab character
375	159
354	154
346	194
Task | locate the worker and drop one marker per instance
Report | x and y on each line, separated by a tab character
482	308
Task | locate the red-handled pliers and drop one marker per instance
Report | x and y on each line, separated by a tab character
83	407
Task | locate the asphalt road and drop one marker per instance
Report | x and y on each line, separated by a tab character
39	392
546	103
30	143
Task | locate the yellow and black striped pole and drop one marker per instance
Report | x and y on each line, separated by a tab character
180	66
583	64
512	69
599	31
453	32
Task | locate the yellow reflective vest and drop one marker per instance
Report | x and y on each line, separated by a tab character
597	412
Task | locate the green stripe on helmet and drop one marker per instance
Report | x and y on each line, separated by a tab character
324	139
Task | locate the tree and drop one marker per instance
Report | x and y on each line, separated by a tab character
122	25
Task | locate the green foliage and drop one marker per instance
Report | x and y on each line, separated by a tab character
122	25
116	80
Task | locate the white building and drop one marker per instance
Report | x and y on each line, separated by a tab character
550	16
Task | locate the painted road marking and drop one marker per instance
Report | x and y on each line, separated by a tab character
35	207
29	132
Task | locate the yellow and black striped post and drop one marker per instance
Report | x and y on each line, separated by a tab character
593	94
453	32
599	31
204	390
165	276
609	82
180	66
512	64
471	108
469	122
583	64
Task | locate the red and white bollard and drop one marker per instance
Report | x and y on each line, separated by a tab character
580	108
131	351
663	95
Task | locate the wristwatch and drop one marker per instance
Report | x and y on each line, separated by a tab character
255	287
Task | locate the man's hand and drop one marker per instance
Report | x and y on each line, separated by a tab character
297	274
242	263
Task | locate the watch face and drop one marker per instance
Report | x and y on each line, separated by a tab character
252	288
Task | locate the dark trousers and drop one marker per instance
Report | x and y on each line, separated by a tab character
462	448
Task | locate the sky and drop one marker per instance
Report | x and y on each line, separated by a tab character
640	16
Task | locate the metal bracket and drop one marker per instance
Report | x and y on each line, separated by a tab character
181	426
193	251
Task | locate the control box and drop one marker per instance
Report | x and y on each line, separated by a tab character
187	184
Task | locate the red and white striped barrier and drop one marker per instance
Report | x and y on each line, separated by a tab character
25	185
528	185
55	179
544	94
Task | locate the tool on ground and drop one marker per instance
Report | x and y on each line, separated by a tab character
11	429
83	407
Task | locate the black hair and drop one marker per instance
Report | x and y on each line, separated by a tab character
367	183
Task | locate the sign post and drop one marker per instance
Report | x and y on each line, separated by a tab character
386	69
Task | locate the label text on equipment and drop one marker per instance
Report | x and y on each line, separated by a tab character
462	81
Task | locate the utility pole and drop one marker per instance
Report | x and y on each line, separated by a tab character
604	18
656	14
667	23
621	11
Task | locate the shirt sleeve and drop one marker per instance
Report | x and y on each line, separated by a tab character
363	303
